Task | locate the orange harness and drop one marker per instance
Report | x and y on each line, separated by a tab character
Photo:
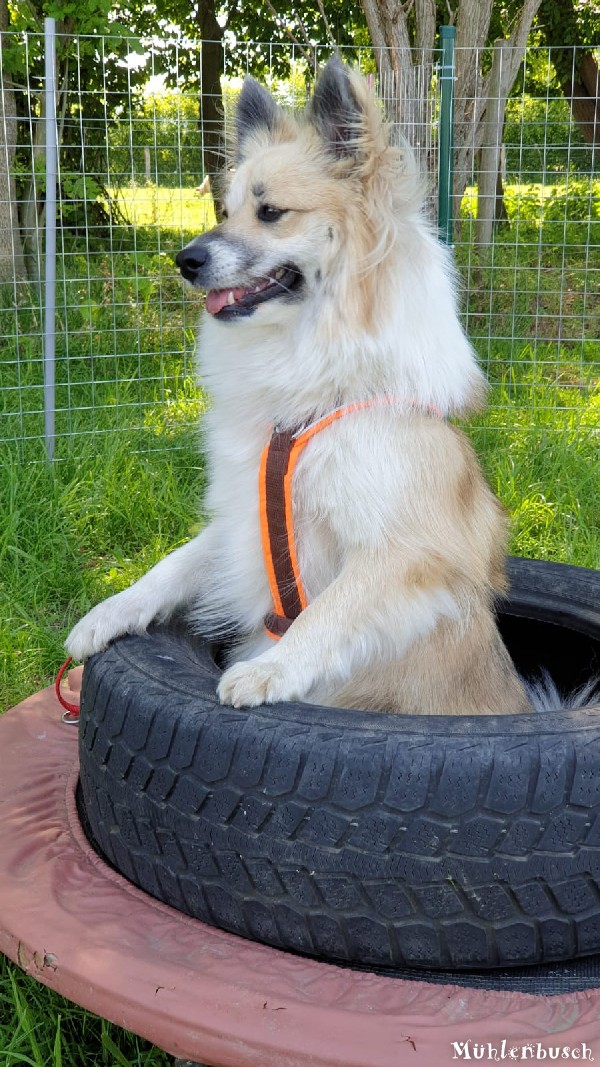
277	465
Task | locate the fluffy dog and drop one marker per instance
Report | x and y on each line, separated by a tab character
328	290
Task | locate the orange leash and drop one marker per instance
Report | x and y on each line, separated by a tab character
72	710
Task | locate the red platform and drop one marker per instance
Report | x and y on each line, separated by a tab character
75	925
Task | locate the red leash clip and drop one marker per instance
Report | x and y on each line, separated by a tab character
71	713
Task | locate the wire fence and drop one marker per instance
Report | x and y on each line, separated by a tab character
138	137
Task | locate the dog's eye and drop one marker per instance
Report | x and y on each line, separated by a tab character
268	213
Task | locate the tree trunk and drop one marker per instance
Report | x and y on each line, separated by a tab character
575	64
582	90
211	100
500	212
405	79
405	74
492	126
470	138
32	201
472	31
12	260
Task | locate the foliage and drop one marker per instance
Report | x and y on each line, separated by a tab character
107	87
572	22
156	137
93	59
259	35
536	132
573	204
86	18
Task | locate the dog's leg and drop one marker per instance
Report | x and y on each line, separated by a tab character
365	614
173	583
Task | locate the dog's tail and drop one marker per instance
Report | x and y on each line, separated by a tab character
545	695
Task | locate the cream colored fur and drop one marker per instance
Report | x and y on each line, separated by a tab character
400	541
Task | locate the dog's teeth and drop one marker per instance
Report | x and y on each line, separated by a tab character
231	298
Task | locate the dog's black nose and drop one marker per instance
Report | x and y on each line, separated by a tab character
192	259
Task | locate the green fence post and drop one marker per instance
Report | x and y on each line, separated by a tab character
446	133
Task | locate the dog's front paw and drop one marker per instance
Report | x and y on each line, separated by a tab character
120	614
250	683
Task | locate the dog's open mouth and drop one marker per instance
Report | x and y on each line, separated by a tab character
242	300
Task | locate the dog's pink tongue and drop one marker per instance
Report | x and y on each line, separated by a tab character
217	299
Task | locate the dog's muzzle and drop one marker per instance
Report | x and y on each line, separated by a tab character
193	260
197	265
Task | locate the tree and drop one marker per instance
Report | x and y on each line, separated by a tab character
402	40
211	101
12	259
571	31
397	30
84	39
301	25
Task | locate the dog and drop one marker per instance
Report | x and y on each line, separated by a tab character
331	316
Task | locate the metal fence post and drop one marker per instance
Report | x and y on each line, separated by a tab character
50	237
446	137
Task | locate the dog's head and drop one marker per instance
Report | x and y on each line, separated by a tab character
308	193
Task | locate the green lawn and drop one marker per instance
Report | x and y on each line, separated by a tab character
39	1028
178	210
127	483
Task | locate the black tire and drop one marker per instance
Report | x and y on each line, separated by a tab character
387	841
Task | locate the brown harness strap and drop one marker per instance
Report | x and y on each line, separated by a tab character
277	465
288	599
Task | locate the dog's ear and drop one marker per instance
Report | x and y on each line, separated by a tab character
335	110
256	110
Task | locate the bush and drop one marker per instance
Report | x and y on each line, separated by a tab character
541	140
158	139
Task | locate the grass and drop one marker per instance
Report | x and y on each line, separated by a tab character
544	467
127	483
82	529
155	205
42	1029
